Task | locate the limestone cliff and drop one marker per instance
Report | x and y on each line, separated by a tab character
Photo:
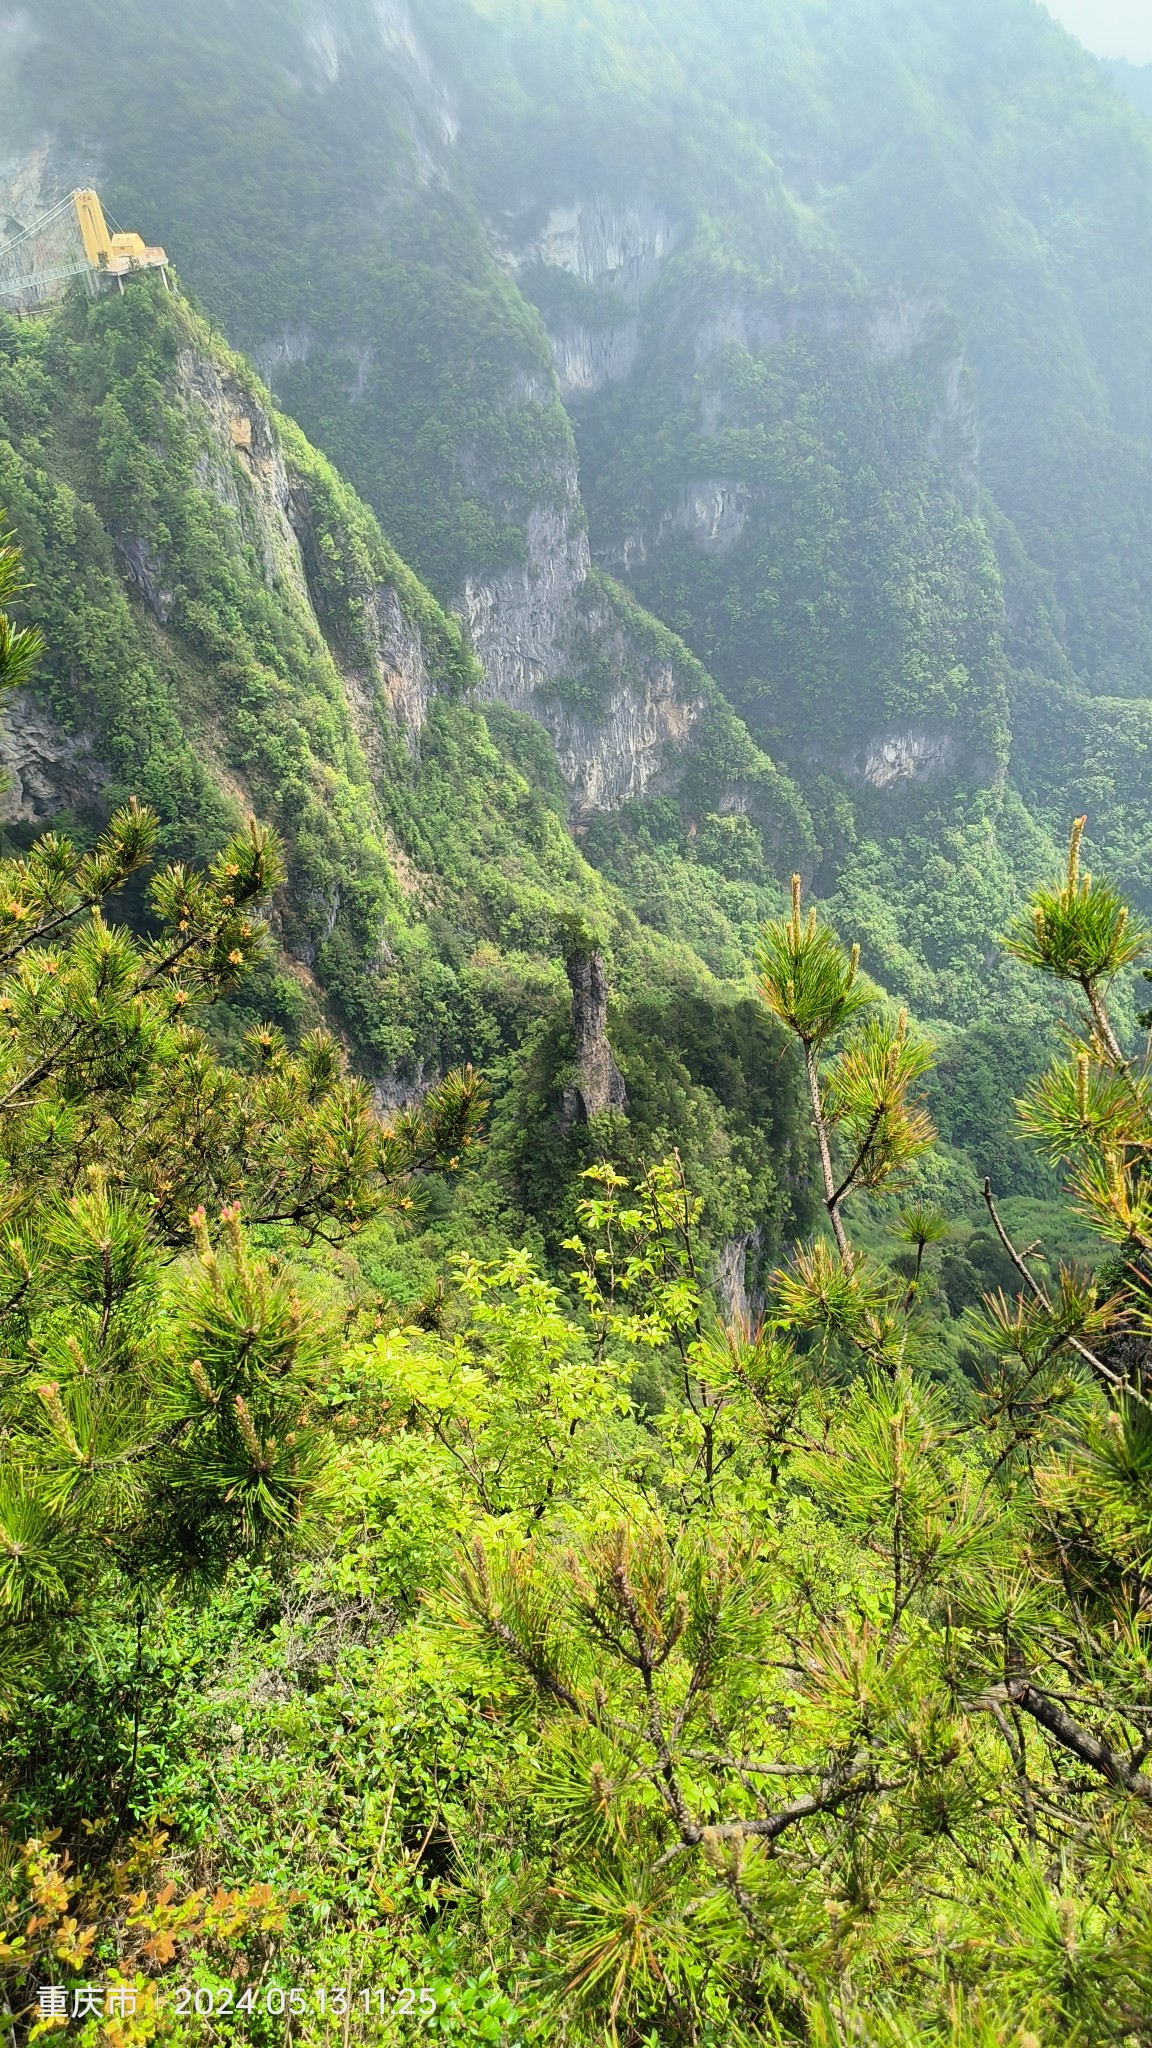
227	631
45	770
551	642
540	628
614	251
599	1087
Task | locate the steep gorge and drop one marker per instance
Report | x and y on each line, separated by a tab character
780	444
229	631
819	365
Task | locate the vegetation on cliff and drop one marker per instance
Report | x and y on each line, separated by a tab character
871	432
543	1494
564	1663
226	630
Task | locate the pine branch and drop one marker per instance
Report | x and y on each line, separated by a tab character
1078	1741
833	1791
832	1198
1082	1350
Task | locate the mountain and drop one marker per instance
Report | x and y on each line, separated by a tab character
824	329
760	397
1134	80
228	631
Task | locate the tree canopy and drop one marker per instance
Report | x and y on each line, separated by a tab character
600	1665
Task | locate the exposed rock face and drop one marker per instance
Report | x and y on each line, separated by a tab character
525	624
629	748
332	39
146	568
432	101
740	1307
526	621
897	329
519	619
292	345
605	242
618	249
600	1084
46	770
904	757
246	470
916	754
296	345
632	744
35	179
402	671
899	326
715	513
244	466
588	358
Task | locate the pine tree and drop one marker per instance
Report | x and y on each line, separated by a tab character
852	1743
159	1411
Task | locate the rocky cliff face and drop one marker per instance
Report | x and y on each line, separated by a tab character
33	178
45	770
599	1086
243	465
533	627
616	251
605	242
518	619
587	358
274	647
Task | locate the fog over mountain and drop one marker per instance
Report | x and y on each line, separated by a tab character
1115	29
623	528
850	388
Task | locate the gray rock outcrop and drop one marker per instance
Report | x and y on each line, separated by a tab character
599	1083
45	770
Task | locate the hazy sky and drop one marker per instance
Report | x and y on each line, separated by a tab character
1113	28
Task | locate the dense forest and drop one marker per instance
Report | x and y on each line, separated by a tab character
575	1092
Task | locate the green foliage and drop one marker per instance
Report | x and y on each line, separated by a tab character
805	979
651	1679
808	1695
156	1424
20	648
862	1096
106	1078
972	1091
1081	932
152	1428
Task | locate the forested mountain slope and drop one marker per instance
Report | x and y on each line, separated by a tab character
850	332
228	632
1134	80
543	1493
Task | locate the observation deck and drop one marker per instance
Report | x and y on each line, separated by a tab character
72	240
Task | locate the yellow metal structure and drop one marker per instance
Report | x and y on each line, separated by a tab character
93	227
71	241
113	253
